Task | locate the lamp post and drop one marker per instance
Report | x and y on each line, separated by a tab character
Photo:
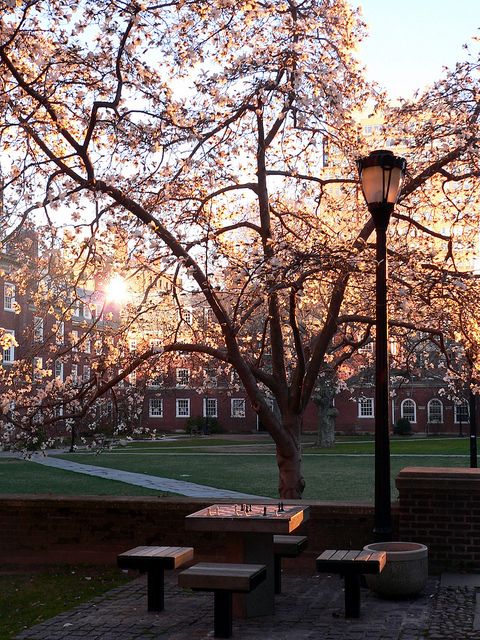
381	174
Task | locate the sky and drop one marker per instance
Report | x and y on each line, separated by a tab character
412	40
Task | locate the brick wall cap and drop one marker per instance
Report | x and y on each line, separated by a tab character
439	472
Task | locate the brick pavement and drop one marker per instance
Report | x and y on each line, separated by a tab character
311	607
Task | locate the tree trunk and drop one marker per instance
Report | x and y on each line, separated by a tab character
289	460
326	426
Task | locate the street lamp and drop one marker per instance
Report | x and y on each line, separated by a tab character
381	174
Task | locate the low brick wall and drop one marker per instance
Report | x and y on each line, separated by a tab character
440	507
58	529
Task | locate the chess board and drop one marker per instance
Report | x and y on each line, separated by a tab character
246	517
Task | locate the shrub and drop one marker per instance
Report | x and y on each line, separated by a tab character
403	427
202	425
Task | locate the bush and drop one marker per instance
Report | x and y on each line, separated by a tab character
200	425
403	427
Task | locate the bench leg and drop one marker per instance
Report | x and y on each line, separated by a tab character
278	574
222	614
155	589
352	595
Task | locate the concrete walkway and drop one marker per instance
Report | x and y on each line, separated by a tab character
310	608
156	483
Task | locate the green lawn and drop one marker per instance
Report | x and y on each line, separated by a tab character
20	476
27	599
344	473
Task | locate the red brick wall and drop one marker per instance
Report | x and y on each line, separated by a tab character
440	507
58	529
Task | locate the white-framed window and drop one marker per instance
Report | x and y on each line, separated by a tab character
87	345
211	379
74	340
74	374
187	315
37	369
58	410
156	344
183	377
234	377
59	370
132	344
87	312
9	296
9	352
365	408
435	410
182	406
208	316
461	412
37	329
237	407
155	408
408	410
86	373
132	378
210	408
61	333
156	380
77	309
367	347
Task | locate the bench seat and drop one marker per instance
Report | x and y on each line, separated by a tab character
286	547
351	564
154	561
223	579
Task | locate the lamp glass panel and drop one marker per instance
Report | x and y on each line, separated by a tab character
381	184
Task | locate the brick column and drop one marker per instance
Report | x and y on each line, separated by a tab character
440	507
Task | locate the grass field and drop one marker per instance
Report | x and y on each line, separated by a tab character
27	599
344	473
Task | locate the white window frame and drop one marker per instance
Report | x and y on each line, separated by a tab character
74	340
185	403
431	403
37	369
61	333
187	315
59	370
210	407
366	407
183	379
9	296
155	408
414	405
132	344
38	329
87	312
237	406
456	408
368	347
87	372
9	353
87	346
74	374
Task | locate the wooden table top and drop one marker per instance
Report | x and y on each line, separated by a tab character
248	518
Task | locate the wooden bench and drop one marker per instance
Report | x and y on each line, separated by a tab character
286	547
223	580
351	564
154	560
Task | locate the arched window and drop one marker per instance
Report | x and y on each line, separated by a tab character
408	410
435	410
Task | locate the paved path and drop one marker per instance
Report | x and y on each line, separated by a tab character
310	608
180	487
